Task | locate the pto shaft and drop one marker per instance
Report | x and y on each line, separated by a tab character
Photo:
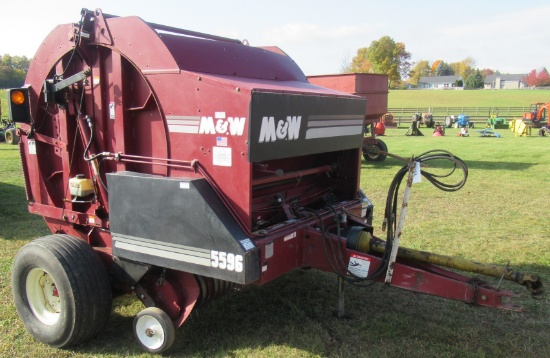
532	282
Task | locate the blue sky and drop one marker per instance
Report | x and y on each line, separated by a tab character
511	36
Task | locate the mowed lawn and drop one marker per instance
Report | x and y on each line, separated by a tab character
499	217
466	98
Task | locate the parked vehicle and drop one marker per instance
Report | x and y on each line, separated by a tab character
538	114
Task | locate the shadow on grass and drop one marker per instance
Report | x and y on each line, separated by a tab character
16	221
293	316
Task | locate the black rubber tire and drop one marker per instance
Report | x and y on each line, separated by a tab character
80	283
157	342
378	157
11	136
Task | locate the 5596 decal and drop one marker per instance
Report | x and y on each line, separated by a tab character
226	261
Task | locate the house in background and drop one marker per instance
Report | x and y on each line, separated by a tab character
439	82
505	81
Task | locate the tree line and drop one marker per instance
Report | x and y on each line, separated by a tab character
391	58
13	70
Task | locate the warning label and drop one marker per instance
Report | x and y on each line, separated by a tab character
359	265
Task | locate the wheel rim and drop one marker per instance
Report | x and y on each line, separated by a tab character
372	156
43	296
150	332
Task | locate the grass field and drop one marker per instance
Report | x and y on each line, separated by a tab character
498	217
478	98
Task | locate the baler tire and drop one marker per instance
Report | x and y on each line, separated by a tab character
61	290
154	330
11	136
378	157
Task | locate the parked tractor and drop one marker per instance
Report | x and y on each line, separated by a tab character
423	119
449	121
8	132
494	121
537	115
178	166
427	119
463	121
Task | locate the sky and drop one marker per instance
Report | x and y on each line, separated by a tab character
321	35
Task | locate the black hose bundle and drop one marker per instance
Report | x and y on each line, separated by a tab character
337	262
424	159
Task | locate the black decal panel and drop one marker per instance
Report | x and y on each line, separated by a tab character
289	125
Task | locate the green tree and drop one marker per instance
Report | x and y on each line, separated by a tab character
6	60
474	80
421	69
13	70
383	56
444	69
20	63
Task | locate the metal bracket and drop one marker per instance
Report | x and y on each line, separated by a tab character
53	86
95	27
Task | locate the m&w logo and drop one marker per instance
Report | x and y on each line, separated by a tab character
282	129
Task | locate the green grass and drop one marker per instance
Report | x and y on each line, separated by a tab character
498	217
478	98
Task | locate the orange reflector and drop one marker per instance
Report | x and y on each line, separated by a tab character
17	97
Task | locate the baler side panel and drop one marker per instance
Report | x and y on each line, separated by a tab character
179	224
208	123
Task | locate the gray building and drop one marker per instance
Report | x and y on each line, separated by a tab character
439	82
505	81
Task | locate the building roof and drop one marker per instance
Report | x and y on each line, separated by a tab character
513	77
439	79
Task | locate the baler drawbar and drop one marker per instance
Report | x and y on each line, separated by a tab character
178	166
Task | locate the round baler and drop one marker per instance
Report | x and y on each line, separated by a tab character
177	166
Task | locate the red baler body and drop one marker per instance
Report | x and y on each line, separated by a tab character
212	163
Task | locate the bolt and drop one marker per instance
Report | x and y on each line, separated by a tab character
149	332
483	298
